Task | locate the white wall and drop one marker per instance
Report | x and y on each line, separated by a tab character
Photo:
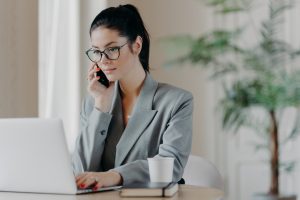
18	58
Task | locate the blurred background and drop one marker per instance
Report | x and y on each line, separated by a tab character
43	68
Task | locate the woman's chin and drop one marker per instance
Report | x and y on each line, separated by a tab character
112	78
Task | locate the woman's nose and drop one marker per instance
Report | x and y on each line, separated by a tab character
104	59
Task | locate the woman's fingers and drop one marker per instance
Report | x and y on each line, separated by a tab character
87	180
92	72
92	66
93	83
98	185
80	176
80	180
90	181
97	180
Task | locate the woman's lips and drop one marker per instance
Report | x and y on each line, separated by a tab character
108	71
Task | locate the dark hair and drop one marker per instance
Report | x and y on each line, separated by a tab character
127	20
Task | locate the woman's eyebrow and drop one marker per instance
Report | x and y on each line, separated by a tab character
105	45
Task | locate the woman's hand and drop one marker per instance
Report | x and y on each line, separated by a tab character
98	180
102	95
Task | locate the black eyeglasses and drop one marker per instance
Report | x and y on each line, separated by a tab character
111	53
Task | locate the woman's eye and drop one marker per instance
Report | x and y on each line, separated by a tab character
96	52
113	49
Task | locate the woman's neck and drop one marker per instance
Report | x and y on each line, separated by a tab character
131	84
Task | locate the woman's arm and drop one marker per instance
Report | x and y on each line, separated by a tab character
90	142
94	123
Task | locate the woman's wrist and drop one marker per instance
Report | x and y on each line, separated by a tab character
118	180
102	104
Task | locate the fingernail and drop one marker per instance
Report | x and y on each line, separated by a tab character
98	69
82	185
98	77
95	188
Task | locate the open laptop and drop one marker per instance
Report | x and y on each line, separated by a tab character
34	157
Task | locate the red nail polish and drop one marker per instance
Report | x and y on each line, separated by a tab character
82	186
95	188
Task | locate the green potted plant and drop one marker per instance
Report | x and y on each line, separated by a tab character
261	78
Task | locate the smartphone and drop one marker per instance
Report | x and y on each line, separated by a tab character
103	79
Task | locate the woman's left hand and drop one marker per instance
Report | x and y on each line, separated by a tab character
98	180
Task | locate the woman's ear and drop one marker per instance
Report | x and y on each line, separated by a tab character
137	46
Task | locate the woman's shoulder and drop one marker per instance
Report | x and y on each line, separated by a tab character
171	93
169	98
165	88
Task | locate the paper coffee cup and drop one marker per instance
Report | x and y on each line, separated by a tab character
161	169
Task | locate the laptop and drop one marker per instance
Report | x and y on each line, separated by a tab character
34	157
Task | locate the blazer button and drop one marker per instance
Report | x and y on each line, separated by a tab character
102	132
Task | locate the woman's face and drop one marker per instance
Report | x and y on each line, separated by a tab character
106	39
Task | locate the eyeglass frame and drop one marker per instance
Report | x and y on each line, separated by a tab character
103	52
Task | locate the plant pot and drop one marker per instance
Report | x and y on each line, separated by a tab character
264	196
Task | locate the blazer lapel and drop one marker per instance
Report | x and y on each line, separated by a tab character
116	109
141	118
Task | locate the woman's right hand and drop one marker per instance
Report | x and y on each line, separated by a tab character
102	95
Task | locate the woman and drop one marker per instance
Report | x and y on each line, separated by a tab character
134	117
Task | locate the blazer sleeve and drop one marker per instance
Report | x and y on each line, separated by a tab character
91	139
177	142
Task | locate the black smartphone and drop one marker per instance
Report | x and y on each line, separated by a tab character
103	79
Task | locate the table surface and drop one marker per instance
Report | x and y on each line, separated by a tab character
186	192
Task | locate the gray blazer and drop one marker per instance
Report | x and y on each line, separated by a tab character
160	125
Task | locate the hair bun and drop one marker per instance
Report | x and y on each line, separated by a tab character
130	7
